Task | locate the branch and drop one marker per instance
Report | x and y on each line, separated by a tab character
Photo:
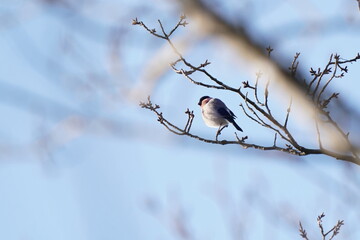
288	113
303	233
177	130
261	111
335	230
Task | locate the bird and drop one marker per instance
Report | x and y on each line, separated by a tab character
216	114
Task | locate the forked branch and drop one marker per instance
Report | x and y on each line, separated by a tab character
324	234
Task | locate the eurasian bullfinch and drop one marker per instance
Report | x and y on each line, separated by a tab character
216	114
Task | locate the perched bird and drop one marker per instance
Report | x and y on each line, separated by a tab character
216	114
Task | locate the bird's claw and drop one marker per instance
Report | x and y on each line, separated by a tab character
219	131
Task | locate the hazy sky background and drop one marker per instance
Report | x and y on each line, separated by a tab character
81	160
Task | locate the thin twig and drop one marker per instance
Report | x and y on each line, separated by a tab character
288	112
151	31
275	138
266	96
200	83
294	64
258	75
319	221
325	71
190	120
303	233
330	79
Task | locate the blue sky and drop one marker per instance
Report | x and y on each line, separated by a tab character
81	160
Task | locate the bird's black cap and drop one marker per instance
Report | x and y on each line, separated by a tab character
201	99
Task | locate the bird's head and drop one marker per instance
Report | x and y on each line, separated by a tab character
203	100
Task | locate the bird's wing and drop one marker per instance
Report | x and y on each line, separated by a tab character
226	113
231	113
218	103
223	110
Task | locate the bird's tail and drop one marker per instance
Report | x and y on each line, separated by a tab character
236	126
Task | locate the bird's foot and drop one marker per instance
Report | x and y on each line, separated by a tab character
219	132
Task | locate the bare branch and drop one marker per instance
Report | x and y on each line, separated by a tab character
261	112
266	96
269	50
294	64
190	120
330	79
288	112
303	233
258	75
335	230
182	22
319	221
151	31
177	130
